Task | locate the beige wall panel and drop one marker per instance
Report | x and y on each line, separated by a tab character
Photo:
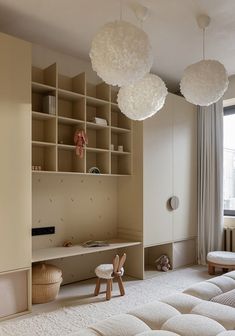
80	208
15	168
130	192
14	293
185	169
130	205
184	253
157	146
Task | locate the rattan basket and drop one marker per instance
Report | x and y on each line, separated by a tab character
46	280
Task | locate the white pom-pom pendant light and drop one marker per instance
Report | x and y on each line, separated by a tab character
121	53
205	82
142	99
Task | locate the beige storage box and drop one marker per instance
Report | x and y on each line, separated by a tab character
46	280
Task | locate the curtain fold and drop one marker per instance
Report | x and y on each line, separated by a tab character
210	179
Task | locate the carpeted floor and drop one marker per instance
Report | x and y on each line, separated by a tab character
78	313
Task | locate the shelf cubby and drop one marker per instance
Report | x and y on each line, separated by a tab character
44	130
68	161
120	163
94	109
118	119
45	76
71	108
44	155
100	91
121	139
73	84
67	129
37	99
99	159
98	137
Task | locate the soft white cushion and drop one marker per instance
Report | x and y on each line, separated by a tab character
105	271
158	333
227	333
230	275
184	303
154	314
224	283
220	313
193	325
221	257
121	325
85	332
227	299
203	290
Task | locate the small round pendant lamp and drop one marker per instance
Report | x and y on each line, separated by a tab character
142	99
205	82
121	53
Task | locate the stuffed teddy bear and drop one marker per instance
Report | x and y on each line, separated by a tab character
163	263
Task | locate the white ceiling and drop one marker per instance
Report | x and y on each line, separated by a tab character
69	25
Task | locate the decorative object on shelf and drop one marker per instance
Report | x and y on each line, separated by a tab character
67	243
36	167
94	170
121	52
163	263
112	147
109	272
95	243
100	121
80	140
120	148
142	99
49	104
204	83
46	280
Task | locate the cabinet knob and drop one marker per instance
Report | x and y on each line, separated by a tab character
174	202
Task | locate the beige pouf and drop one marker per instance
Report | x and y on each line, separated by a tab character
46	280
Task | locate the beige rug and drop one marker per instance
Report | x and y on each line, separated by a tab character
68	320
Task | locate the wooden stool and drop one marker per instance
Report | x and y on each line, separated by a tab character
220	259
110	272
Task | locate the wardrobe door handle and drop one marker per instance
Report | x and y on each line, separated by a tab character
174	202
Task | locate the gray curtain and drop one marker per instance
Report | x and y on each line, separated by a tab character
210	179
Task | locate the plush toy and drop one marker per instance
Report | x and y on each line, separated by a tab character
163	263
80	140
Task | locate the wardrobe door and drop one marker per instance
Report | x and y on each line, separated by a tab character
15	150
185	168
157	175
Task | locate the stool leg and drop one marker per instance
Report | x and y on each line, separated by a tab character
111	285
121	287
97	287
211	269
108	291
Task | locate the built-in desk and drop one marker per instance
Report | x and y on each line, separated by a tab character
51	253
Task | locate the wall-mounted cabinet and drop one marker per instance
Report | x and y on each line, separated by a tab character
62	105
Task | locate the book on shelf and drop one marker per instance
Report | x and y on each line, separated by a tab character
49	104
100	121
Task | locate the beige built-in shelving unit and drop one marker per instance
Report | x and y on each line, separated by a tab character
77	103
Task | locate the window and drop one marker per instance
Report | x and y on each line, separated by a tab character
229	161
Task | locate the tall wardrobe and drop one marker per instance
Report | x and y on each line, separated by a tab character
15	177
165	171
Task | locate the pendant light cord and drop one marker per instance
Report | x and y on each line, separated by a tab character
203	42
